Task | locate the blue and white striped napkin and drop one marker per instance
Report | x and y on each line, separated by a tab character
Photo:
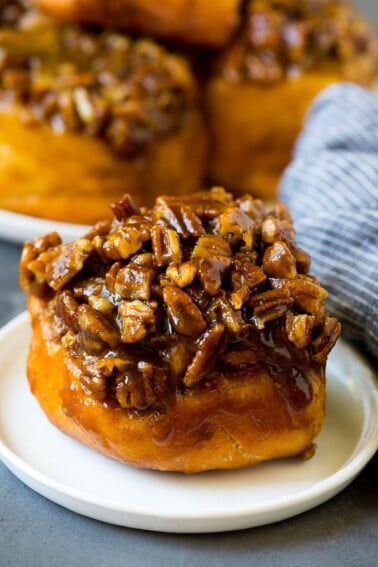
331	188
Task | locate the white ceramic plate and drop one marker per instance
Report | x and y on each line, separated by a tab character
18	228
78	478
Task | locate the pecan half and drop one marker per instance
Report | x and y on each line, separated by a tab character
134	282
207	349
183	313
279	262
137	320
299	328
269	305
212	257
324	343
165	245
180	217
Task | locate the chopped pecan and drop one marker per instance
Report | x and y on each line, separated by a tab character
207	204
182	274
100	304
255	208
32	267
134	282
96	329
137	320
165	245
68	263
177	358
244	272
183	313
235	225
325	341
279	262
221	311
273	229
269	305
302	259
127	239
207	349
66	309
134	388
212	257
180	217
101	228
308	296
299	329
124	208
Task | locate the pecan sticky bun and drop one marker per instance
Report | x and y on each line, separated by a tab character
86	116
185	337
261	86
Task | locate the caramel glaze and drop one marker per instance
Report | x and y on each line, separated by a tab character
271	363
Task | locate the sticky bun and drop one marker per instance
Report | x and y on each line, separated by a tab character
185	337
199	23
86	116
261	86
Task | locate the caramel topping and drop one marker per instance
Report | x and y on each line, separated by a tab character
172	298
282	38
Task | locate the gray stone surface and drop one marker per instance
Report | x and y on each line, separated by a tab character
37	533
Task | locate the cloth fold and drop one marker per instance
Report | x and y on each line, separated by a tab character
331	188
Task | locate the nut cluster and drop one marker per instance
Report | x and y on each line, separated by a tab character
166	298
107	85
281	38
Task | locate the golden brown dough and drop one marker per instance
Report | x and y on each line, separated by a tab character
193	21
85	117
260	88
187	337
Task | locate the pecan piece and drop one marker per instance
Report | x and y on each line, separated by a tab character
308	295
302	259
124	208
127	239
183	274
299	329
279	262
212	257
273	229
245	276
235	225
207	349
269	305
183	313
255	208
324	343
165	245
221	311
137	320
134	282
66	309
96	329
134	389
32	267
68	263
180	217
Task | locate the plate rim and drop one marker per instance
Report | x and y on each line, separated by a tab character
36	226
304	499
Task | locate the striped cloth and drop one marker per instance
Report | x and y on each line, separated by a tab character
331	188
